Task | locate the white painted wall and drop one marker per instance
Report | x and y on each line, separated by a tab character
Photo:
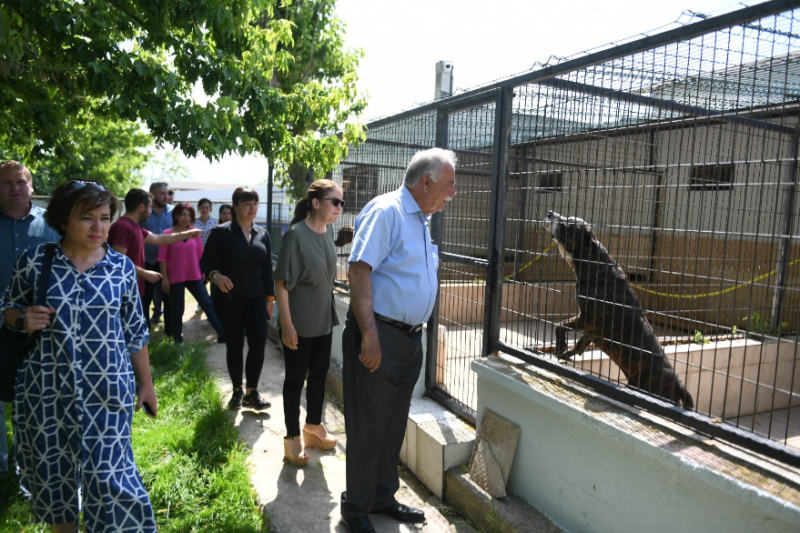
581	461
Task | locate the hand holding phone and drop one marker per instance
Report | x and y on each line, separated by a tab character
147	410
147	407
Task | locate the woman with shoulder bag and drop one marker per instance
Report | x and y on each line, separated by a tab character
76	392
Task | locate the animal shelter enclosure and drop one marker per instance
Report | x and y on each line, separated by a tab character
680	149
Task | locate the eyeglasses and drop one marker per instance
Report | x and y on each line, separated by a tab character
336	202
160	184
74	185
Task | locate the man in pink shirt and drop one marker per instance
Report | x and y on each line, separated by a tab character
127	237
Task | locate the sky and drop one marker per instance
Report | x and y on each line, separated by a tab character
484	39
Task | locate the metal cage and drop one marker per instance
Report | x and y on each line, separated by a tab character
680	149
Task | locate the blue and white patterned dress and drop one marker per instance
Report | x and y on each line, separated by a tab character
205	228
75	394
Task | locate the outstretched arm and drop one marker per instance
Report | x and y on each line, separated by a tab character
169	238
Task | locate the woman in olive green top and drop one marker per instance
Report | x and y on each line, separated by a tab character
304	289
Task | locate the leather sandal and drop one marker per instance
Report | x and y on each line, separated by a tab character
297	460
315	441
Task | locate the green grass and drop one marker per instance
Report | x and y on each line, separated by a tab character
191	459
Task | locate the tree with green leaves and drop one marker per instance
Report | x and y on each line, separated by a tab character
113	153
275	74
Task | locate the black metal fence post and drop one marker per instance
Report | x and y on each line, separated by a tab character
432	357
497	220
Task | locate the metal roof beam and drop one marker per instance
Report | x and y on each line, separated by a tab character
667	105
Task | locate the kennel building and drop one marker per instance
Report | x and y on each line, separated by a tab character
681	150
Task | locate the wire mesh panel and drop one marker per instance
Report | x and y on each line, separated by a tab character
682	158
462	272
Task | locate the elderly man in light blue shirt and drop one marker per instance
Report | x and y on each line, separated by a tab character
393	284
21	225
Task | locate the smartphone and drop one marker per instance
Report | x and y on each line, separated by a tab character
147	410
146	406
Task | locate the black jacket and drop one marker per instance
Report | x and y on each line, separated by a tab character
249	266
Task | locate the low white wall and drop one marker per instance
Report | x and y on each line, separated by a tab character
594	465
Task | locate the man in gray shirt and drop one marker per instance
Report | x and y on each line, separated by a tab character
160	219
21	225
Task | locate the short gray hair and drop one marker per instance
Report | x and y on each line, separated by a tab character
428	162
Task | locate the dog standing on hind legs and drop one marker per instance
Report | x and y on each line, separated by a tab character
610	315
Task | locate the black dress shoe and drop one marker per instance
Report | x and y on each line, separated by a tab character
358	523
402	513
253	400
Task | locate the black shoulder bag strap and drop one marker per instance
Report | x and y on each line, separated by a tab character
44	282
44	279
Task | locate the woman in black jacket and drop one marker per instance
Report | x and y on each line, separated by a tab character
238	260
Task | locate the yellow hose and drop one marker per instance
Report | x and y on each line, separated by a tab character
665	294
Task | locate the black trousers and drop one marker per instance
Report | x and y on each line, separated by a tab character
376	413
240	317
177	297
147	299
311	358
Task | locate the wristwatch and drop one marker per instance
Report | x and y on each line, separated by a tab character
19	323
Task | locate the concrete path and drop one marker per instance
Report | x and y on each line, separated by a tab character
305	500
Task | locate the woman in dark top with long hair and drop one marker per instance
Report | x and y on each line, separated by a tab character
238	260
304	285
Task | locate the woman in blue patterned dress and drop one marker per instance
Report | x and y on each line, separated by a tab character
75	391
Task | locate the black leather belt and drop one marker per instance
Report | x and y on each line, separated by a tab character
408	328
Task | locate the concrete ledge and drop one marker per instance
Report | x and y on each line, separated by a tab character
593	464
509	515
436	440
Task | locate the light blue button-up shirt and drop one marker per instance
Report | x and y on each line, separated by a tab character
392	236
16	236
156	224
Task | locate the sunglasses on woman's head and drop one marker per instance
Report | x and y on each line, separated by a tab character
74	185
336	202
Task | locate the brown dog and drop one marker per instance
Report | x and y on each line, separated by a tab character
345	236
610	315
